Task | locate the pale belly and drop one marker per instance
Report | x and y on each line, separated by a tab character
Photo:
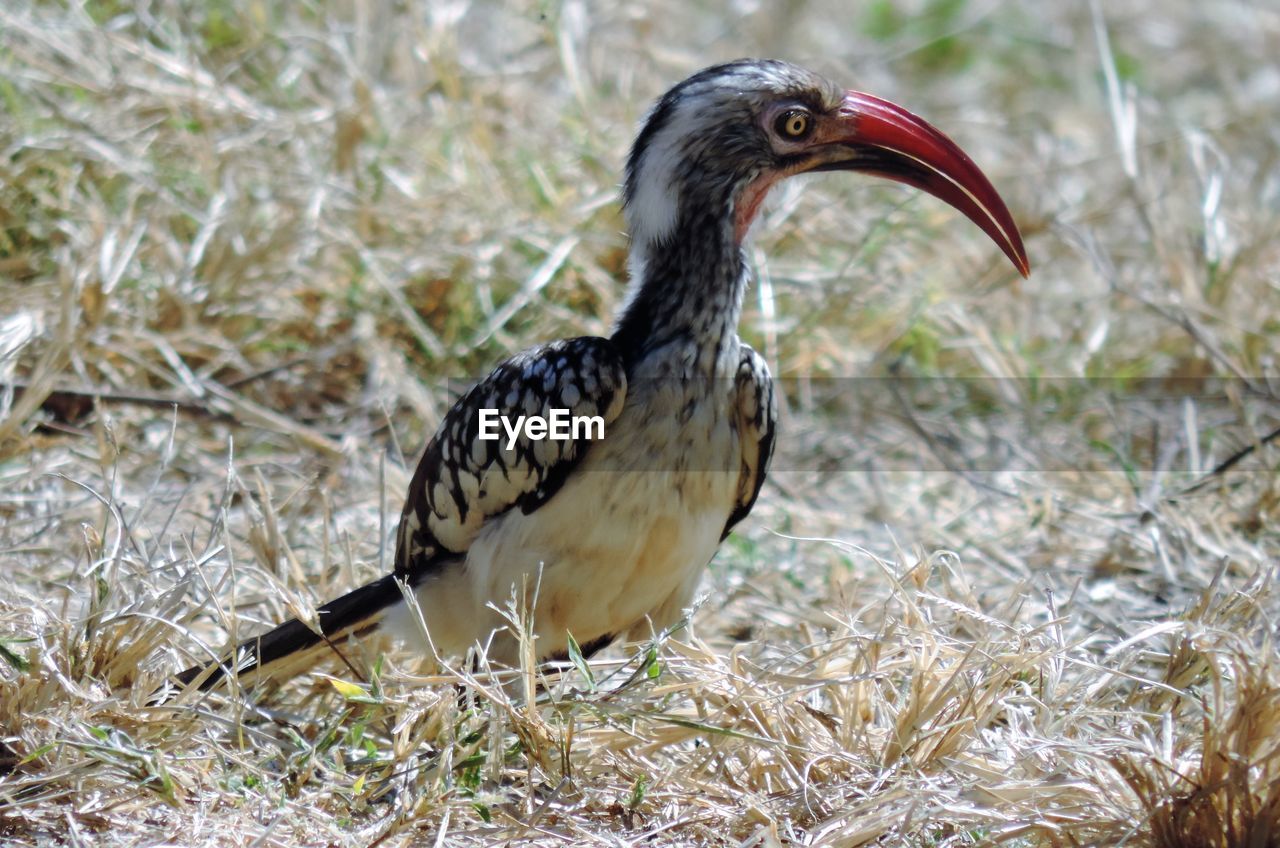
618	550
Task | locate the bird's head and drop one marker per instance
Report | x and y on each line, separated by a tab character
714	145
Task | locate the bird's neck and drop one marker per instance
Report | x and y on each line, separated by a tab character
685	296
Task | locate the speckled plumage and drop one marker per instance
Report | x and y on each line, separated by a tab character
462	481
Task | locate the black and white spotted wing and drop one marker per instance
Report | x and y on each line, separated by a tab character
755	416
463	481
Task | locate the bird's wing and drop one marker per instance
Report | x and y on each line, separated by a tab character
464	481
755	413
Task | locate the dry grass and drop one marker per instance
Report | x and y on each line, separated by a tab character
977	604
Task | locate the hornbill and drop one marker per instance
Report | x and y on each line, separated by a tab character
609	536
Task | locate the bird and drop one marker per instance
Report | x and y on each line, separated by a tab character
605	535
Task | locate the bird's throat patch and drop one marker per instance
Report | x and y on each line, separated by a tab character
749	202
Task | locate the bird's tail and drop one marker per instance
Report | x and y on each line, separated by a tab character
289	649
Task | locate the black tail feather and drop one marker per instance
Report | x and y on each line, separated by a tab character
355	613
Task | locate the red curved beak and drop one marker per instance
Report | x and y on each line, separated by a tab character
875	136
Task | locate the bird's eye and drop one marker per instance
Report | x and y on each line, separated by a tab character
792	124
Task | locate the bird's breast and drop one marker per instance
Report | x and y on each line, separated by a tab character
632	527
